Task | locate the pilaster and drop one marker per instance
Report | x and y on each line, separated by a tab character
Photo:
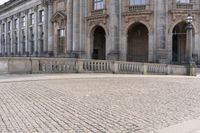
18	34
114	30
0	38
5	35
69	26
26	33
76	28
45	30
11	36
50	28
36	31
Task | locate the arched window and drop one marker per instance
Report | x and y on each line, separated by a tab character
98	4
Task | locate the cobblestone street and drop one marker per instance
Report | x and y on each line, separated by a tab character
96	103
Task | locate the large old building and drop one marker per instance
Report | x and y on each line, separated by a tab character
128	30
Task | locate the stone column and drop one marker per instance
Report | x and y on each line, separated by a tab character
76	28
18	35
114	30
39	40
36	31
0	38
45	30
26	34
6	39
50	28
11	36
83	24
69	26
160	32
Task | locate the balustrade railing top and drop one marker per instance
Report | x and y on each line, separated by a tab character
65	65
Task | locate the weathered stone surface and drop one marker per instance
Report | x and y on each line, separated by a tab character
96	103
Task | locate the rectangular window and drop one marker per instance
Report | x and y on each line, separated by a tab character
32	19
23	42
3	43
9	26
32	43
41	16
23	21
98	4
183	1
16	42
3	28
16	23
41	39
61	40
137	2
9	42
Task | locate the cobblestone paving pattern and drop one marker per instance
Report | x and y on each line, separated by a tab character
98	105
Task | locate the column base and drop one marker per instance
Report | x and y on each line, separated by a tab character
18	54
44	54
12	54
113	56
123	57
5	54
77	54
36	54
50	54
162	57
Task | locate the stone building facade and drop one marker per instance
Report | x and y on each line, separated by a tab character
128	30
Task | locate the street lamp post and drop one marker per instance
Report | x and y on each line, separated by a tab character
189	44
189	30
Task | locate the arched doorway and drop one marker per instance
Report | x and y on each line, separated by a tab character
138	43
99	44
179	43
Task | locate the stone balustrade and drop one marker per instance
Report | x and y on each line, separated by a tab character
66	65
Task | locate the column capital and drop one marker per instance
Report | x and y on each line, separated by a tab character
17	15
11	17
47	2
35	8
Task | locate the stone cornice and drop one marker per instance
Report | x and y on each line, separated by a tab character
184	11
103	16
145	12
11	4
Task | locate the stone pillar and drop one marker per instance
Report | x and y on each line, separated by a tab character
5	35
36	31
114	30
18	35
39	40
11	36
26	34
45	30
50	28
69	26
83	34
0	38
76	28
160	48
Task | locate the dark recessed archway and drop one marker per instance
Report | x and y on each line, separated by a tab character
99	44
179	43
138	39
